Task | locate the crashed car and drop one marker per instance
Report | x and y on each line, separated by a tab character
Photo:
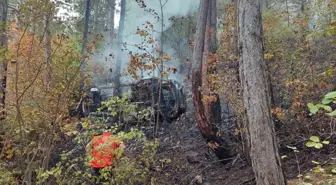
145	93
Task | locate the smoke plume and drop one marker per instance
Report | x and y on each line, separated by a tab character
136	16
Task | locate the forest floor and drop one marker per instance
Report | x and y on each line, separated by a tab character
191	161
186	158
183	157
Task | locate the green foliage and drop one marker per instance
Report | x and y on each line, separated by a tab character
328	98
294	46
131	168
314	141
126	110
118	105
7	176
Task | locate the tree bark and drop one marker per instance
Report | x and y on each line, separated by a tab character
3	65
210	47
97	28
265	159
47	41
84	50
110	23
120	44
203	121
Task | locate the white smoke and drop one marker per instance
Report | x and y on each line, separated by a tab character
136	16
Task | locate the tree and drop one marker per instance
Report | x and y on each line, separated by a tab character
47	39
162	4
256	96
210	47
3	47
85	38
203	120
120	43
110	22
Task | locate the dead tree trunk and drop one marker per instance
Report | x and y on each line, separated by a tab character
264	148
203	121
120	44
210	48
3	46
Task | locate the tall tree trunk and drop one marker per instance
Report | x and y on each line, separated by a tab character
303	3
84	50
264	148
97	28
288	14
203	121
210	48
47	42
3	62
110	23
120	44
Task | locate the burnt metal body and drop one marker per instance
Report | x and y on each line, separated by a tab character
145	93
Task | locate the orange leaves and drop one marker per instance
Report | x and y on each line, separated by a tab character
143	33
209	98
211	57
279	113
322	85
213	145
150	41
30	70
295	84
140	62
167	58
7	150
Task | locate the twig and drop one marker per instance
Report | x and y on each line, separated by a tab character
234	161
248	180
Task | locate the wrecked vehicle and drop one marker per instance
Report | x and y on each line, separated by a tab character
145	93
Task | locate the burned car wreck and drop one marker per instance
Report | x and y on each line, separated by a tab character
145	93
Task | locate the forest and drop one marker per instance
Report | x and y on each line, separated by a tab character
168	92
